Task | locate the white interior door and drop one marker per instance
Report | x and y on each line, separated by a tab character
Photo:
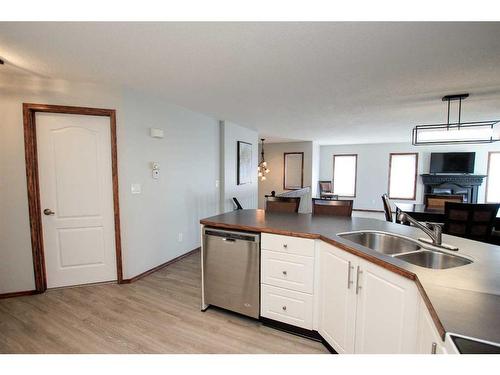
76	196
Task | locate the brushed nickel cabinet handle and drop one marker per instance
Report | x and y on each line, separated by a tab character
48	212
434	348
285	245
358	287
284	308
284	273
349	282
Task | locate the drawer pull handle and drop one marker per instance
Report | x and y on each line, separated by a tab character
284	308
433	348
285	245
284	273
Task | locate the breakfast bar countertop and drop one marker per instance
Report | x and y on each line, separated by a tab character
464	300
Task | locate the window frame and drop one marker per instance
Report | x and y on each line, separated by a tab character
414	180
355	174
487	176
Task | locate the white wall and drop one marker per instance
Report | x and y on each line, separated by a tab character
151	221
373	167
274	155
184	193
247	194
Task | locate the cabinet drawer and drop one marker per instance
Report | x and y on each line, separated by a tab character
287	244
287	306
289	271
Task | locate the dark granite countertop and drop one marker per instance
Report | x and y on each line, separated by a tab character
463	300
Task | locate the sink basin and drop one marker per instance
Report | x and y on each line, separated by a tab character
382	242
433	259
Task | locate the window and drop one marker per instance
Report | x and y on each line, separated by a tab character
344	175
493	179
403	175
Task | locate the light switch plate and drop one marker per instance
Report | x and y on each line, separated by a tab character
136	188
156	133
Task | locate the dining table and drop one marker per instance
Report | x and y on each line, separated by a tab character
422	212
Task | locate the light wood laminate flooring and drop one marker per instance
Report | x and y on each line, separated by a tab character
157	314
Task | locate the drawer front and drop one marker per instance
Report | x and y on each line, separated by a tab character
287	244
288	271
287	306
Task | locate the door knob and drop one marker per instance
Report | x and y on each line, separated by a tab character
48	212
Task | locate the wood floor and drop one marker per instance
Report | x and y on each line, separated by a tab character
157	314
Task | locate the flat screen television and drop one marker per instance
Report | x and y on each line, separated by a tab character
452	162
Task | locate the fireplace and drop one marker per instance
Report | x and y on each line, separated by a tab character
456	184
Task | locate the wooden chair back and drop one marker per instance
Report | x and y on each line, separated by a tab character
325	187
438	201
331	207
282	204
474	221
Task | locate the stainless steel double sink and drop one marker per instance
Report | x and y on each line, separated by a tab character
406	249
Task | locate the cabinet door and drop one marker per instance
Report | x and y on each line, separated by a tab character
386	315
429	341
337	300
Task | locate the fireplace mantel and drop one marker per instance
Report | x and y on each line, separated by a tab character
468	182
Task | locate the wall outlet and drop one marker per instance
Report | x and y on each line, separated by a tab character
180	237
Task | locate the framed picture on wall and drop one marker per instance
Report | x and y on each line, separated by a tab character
244	163
293	176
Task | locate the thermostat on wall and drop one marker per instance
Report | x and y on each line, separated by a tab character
156	133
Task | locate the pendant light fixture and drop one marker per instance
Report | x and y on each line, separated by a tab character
456	132
262	168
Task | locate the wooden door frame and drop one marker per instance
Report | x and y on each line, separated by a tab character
32	180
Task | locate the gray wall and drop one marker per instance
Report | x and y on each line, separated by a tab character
246	194
151	221
274	155
373	167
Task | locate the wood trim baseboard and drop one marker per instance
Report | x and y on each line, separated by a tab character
157	268
18	294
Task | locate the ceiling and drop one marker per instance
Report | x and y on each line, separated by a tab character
338	82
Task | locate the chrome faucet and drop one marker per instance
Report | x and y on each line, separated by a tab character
433	230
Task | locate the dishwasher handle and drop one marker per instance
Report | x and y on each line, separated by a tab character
232	236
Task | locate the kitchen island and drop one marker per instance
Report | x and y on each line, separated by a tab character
463	300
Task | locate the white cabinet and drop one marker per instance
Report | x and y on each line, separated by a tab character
363	307
428	339
287	279
287	306
386	313
355	305
287	244
294	272
337	302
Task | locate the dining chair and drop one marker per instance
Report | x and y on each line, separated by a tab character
470	220
325	190
438	201
237	204
332	207
387	207
282	204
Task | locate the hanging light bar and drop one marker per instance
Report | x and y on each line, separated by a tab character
458	132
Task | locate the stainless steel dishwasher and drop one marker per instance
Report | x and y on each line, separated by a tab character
231	271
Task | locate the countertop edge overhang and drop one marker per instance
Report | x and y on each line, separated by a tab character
364	253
